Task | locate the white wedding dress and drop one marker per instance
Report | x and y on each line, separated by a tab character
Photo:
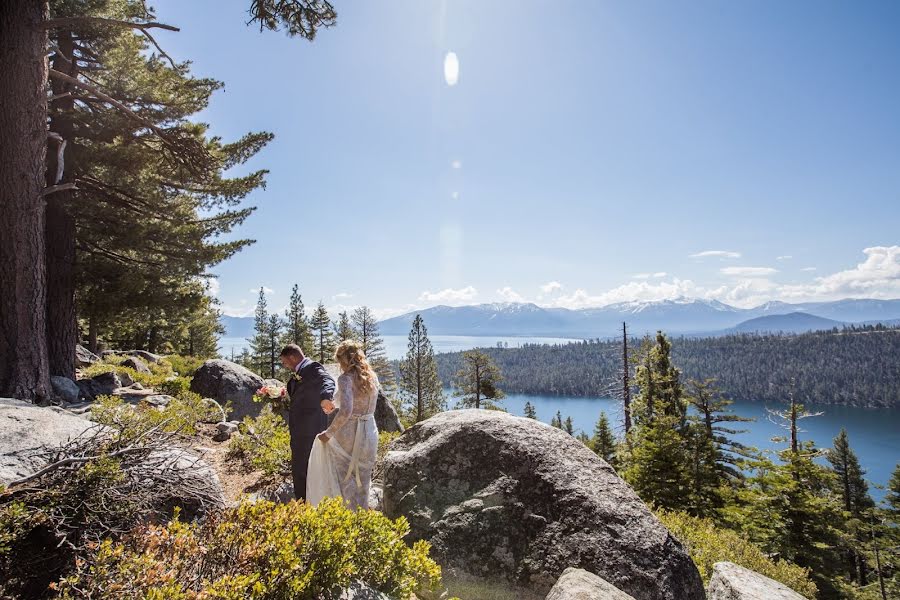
343	465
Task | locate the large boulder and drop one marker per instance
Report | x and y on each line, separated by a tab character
733	582
498	495
65	389
26	430
578	584
103	384
133	362
225	381
84	357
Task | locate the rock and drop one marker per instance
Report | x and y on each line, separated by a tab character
225	381
137	364
125	379
84	357
498	495
578	584
376	497
158	400
25	429
136	386
281	493
65	389
386	418
103	384
732	582
224	431
147	356
360	591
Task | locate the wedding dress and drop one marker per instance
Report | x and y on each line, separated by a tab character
343	465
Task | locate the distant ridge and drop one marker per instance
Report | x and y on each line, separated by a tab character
795	322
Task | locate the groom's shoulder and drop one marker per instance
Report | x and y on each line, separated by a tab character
316	367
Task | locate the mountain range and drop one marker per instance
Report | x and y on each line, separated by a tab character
686	316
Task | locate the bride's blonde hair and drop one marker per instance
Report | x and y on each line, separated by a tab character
350	353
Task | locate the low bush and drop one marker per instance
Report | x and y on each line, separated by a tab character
183	366
259	551
181	415
174	386
159	372
708	544
263	444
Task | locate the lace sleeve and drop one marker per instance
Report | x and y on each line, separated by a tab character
345	399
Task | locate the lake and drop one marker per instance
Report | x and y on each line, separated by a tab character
395	345
874	432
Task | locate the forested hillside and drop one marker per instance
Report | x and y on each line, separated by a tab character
853	366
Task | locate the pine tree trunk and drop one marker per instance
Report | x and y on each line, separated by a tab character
93	332
60	228
24	368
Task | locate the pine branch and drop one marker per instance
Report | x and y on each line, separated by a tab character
63	22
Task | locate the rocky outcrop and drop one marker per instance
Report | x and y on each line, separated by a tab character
142	354
103	384
64	389
137	364
225	381
26	429
386	418
84	357
498	495
733	582
578	584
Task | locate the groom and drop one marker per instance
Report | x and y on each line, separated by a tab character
311	389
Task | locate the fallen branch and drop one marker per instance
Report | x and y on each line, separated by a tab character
59	188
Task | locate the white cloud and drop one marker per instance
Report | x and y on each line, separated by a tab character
455	195
716	254
784	257
450	295
266	290
748	271
660	274
878	276
456	164
243	309
341	295
808	269
649	275
213	286
551	286
630	292
510	295
451	69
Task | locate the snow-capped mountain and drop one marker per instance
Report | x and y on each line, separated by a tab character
675	316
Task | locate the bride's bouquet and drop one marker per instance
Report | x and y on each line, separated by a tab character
274	394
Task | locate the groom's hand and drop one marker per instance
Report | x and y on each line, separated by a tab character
327	406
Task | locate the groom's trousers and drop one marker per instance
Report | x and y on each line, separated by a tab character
300	450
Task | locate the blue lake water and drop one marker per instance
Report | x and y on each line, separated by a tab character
874	432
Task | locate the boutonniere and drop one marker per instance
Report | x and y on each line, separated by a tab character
296	377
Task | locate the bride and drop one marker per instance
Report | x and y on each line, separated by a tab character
343	455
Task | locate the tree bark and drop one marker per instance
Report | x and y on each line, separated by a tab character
24	367
60	227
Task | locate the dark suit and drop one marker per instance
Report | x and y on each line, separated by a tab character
307	419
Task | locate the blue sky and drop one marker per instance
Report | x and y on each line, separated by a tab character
589	152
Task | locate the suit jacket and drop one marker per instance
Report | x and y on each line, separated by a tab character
306	418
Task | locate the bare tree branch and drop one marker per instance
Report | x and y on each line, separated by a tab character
70	21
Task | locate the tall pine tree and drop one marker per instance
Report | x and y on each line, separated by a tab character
604	442
476	382
323	338
421	391
366	327
296	325
259	343
343	330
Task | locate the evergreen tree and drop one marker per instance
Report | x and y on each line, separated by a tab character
604	442
476	382
658	465
529	410
274	333
259	343
420	389
296	325
323	339
568	426
201	333
854	493
892	497
343	330
556	421
366	327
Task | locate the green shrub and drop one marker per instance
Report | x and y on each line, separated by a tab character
263	444
174	386
183	366
708	544
181	415
259	551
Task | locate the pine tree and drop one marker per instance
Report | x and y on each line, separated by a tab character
854	493
274	332
259	343
604	442
296	325
476	382
343	330
568	426
892	497
529	410
323	339
366	327
421	391
200	334
556	421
